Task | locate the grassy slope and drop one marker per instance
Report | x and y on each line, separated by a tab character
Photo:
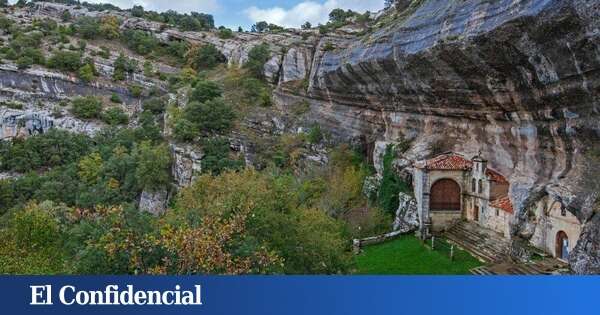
407	256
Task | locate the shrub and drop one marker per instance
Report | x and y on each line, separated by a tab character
115	116
315	135
24	62
391	184
184	130
225	33
217	157
65	61
86	73
88	27
115	98
139	41
206	90
214	116
204	57
155	105
122	66
136	90
154	166
87	107
257	57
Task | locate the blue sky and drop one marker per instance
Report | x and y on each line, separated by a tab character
234	13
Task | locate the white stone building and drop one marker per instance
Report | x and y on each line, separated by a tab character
450	188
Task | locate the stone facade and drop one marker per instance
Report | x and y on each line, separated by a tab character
484	199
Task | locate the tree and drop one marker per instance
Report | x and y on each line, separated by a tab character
204	57
115	116
260	27
87	107
206	90
213	116
88	27
154	166
122	66
137	11
90	168
65	60
306	26
217	156
339	15
109	27
257	57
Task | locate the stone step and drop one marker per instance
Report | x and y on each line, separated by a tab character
484	244
493	244
482	271
482	255
498	240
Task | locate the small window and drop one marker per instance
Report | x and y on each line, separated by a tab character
497	212
480	186
563	211
474	185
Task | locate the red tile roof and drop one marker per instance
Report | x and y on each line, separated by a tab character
503	203
456	162
453	162
495	176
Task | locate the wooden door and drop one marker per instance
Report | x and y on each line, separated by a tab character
445	196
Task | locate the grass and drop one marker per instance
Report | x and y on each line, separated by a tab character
407	256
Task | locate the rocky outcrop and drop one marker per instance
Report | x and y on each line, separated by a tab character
407	215
585	259
19	123
187	164
154	202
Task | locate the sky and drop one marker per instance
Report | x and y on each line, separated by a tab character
234	13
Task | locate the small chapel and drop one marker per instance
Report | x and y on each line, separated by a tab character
451	188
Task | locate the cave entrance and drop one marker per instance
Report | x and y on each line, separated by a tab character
445	196
562	246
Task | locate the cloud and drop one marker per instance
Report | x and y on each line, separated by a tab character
312	11
206	6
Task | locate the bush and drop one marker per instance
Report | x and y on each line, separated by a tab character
155	105
115	116
257	92
213	116
115	98
87	107
122	66
184	130
391	184
88	27
136	90
86	73
65	61
206	90
140	41
225	33
257	57
204	57
154	166
217	157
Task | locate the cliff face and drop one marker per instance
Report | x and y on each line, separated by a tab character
517	80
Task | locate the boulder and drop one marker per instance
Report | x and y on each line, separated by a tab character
154	202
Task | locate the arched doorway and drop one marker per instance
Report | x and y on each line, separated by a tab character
445	196
562	246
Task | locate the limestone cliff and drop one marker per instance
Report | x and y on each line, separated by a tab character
517	80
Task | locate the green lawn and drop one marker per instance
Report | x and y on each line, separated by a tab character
407	256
